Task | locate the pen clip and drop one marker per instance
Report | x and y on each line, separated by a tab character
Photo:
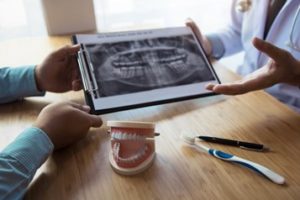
255	149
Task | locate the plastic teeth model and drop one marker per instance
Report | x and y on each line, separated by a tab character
132	146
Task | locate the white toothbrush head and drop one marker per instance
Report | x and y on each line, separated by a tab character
188	138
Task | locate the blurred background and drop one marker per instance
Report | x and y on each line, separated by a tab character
24	18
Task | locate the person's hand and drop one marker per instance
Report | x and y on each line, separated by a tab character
66	122
204	41
281	68
59	71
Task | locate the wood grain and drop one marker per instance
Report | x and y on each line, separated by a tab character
82	171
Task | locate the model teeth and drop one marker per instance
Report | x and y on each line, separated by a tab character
127	136
130	159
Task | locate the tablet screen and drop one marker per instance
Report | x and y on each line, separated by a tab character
138	67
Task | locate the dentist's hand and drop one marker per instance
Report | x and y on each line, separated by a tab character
59	71
281	68
204	41
66	122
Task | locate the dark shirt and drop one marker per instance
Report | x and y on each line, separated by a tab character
274	8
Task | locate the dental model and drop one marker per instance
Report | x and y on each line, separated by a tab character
132	146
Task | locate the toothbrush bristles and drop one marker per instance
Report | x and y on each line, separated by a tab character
187	138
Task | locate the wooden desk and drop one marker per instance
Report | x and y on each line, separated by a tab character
82	171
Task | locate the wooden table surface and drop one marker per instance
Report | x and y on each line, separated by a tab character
82	171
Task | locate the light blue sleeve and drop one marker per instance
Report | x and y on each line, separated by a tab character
20	160
218	48
17	83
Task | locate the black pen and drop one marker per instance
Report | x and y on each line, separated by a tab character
241	144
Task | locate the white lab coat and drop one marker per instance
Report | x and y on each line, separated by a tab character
243	27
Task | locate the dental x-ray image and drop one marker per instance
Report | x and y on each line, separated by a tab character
146	64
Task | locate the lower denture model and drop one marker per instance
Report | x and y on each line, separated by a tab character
132	146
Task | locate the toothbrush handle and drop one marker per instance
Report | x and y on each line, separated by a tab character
276	178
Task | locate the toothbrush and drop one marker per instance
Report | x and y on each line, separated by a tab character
276	178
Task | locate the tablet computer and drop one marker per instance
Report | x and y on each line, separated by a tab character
131	69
